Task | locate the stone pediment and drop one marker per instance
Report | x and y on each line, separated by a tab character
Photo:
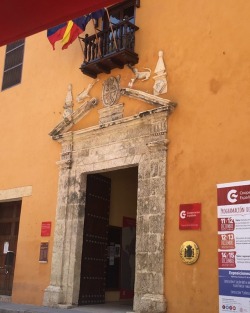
111	92
112	110
72	118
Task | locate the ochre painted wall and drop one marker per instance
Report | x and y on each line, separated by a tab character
207	56
123	198
123	202
206	52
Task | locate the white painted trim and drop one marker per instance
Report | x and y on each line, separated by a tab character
15	193
234	184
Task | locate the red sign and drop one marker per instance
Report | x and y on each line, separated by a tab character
226	241
226	224
190	216
227	259
46	229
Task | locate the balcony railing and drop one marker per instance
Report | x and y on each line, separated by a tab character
109	49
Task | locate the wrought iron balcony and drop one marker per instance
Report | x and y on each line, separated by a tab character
109	49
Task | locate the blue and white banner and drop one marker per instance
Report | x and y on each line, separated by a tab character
234	247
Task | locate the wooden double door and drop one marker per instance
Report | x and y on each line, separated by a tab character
9	226
95	237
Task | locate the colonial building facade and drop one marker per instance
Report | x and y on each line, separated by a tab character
103	142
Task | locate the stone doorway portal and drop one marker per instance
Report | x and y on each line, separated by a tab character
138	141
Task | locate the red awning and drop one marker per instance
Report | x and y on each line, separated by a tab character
22	18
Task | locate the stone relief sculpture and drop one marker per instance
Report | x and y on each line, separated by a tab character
85	93
68	106
111	90
160	85
111	93
145	75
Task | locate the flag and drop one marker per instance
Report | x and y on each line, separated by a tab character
56	33
77	26
69	31
97	14
74	29
66	34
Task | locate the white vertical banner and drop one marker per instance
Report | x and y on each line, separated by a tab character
233	207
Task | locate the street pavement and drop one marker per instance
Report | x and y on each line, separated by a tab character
98	308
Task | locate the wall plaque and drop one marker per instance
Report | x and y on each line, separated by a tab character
45	229
44	248
190	216
189	252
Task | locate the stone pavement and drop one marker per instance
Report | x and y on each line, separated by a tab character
99	308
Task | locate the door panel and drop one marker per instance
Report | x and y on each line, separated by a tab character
9	226
95	232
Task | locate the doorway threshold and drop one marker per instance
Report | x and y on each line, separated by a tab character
109	307
6	299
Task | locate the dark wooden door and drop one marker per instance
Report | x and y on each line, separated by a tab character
9	226
95	235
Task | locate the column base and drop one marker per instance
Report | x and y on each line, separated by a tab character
150	303
53	296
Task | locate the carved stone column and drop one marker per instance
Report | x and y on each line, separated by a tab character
65	271
149	285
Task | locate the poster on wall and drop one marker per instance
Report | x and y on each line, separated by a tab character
233	207
45	229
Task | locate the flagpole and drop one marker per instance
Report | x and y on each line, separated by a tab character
81	45
110	24
97	39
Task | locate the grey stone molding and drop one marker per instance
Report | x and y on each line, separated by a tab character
146	97
73	118
117	142
135	141
15	193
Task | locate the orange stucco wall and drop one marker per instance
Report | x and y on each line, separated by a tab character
207	57
206	52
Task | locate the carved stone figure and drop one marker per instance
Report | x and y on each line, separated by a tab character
160	85
85	93
68	106
145	75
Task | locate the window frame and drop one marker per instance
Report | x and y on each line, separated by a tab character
14	54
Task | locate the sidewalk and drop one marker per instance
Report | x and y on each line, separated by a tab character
98	308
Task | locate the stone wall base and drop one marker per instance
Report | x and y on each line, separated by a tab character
151	303
53	296
6	299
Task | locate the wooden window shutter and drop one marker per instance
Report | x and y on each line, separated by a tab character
13	64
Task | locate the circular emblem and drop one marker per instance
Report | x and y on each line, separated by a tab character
111	91
189	252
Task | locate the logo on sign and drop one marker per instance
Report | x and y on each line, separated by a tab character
183	214
232	196
229	307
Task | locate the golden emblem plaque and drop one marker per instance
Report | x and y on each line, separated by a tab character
189	252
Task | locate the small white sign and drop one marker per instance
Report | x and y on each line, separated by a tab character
6	247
